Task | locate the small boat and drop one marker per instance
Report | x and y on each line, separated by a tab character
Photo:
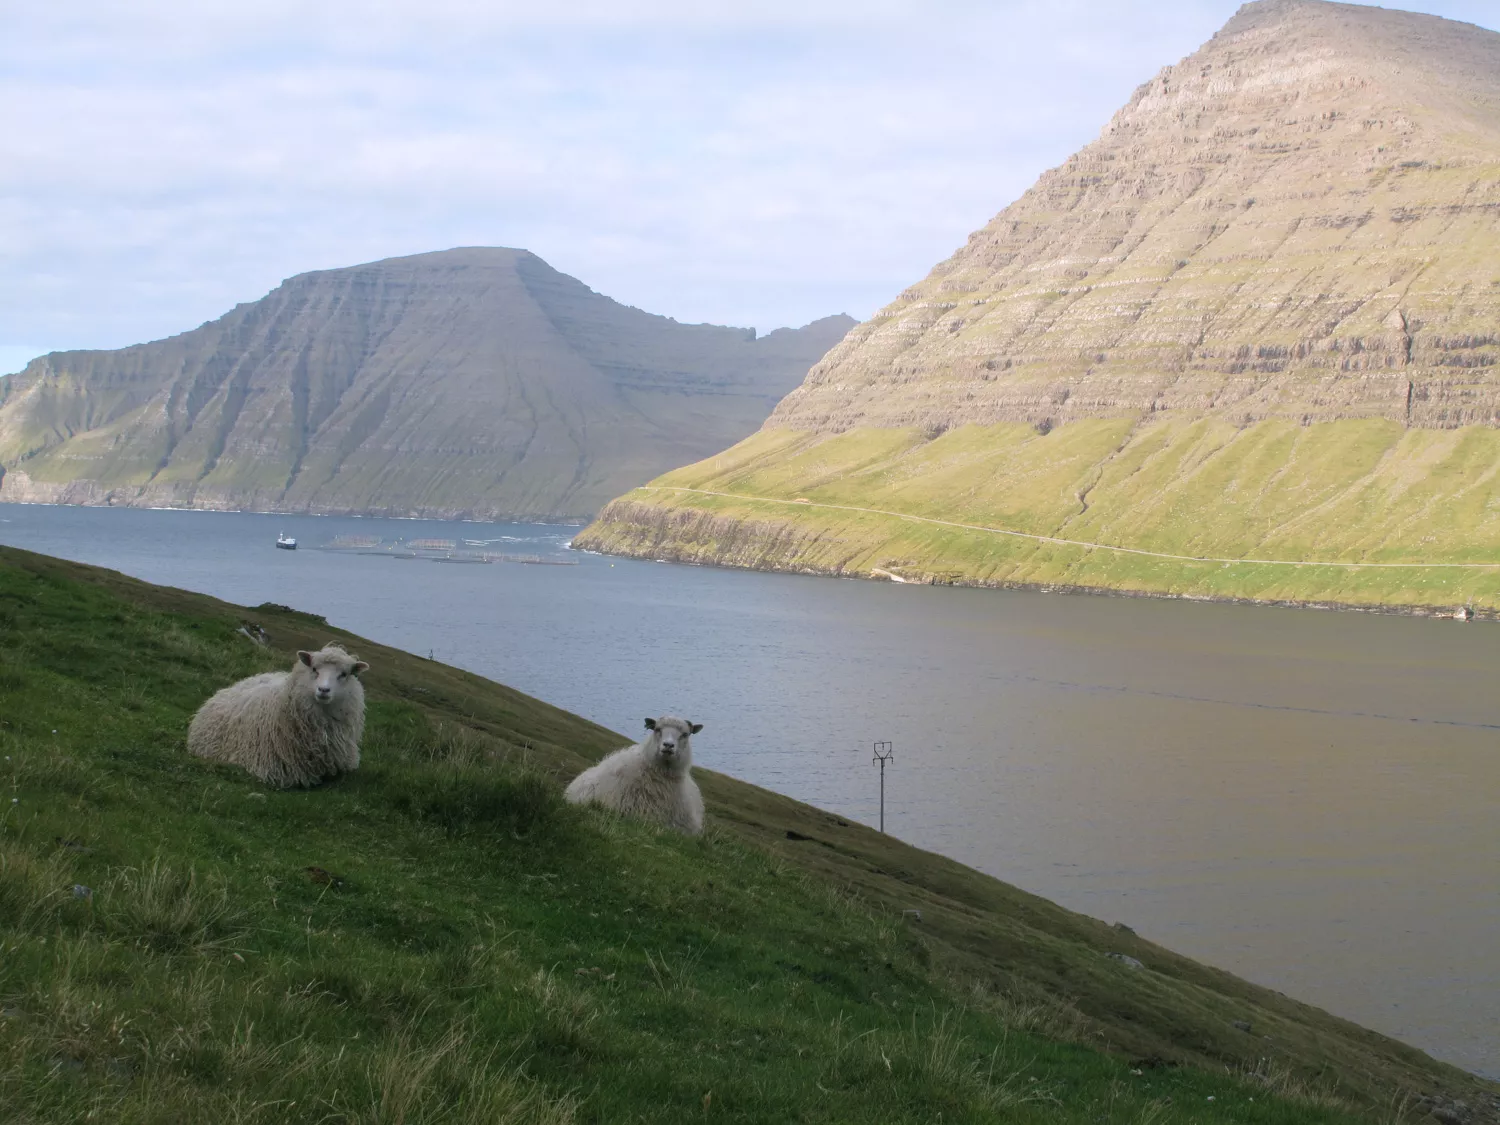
285	542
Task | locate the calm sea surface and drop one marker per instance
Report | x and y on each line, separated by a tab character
1310	800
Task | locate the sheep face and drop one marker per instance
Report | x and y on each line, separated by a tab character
331	671
669	743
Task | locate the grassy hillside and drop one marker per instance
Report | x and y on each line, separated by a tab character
438	938
1355	491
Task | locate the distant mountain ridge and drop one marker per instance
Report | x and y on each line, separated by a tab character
1257	319
476	383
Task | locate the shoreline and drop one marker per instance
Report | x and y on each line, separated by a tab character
887	575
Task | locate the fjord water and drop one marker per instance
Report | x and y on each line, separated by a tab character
1310	800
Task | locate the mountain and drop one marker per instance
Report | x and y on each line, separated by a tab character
476	383
1257	319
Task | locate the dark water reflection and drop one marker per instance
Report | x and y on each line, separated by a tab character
1311	800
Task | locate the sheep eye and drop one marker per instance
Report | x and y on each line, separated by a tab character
343	675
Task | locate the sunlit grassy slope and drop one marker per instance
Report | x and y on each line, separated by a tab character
1365	491
439	938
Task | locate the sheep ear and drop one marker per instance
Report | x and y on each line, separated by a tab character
305	657
359	666
650	724
696	727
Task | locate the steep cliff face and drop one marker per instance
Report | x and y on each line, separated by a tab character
1301	220
474	382
1258	319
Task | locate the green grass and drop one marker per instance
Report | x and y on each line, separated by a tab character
438	938
1262	495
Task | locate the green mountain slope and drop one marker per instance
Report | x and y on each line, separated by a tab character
474	383
438	938
1256	319
1363	513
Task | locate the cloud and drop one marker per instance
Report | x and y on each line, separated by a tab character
758	164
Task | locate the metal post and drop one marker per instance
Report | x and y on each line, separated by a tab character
883	754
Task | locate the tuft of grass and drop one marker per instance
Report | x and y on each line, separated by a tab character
463	798
34	885
566	1014
1027	1008
454	1079
673	971
1282	1081
165	909
937	1050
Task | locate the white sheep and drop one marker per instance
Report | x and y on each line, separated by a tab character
652	780
288	728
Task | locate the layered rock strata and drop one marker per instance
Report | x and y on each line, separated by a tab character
1300	220
477	383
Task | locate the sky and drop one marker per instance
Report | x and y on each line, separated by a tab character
756	162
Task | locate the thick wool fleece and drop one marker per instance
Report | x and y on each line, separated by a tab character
274	726
640	781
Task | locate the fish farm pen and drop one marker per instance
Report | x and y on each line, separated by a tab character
433	550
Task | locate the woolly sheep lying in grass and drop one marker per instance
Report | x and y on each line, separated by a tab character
652	780
288	728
